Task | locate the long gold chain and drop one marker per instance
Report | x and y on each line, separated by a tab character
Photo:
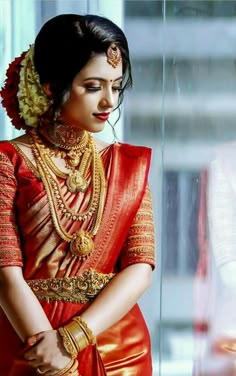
81	242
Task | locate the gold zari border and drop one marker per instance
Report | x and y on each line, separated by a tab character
79	289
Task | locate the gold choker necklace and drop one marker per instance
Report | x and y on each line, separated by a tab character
63	136
81	241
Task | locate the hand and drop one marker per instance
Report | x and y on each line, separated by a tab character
47	353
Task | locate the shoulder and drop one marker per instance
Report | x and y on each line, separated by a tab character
133	151
7	158
9	151
6	148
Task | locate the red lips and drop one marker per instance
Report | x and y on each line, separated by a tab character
103	116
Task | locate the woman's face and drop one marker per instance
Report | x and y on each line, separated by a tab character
93	96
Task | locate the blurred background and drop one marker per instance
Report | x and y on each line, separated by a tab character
182	105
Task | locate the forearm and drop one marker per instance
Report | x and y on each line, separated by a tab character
20	305
118	297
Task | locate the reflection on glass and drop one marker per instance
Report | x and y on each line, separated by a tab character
216	283
183	106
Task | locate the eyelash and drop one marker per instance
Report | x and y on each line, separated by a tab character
97	88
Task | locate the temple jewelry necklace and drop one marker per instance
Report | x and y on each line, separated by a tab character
76	145
63	136
77	161
81	241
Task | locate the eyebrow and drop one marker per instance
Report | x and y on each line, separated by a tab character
102	79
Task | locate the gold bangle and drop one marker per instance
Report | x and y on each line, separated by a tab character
68	342
88	332
76	336
79	337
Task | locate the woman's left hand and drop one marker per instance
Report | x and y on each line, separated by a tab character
47	353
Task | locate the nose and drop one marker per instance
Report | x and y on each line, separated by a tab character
108	100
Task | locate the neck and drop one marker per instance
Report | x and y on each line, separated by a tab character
62	135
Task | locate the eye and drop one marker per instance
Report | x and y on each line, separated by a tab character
93	88
117	88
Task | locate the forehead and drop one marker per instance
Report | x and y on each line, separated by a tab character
98	66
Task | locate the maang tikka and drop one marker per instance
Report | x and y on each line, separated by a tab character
113	55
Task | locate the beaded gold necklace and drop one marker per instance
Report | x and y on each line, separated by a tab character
81	241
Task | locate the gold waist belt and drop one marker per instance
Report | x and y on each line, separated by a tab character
80	289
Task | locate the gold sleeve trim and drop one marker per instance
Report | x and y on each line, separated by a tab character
79	289
139	245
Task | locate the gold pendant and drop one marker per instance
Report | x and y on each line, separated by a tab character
82	244
73	159
76	183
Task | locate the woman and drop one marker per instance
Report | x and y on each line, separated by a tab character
77	247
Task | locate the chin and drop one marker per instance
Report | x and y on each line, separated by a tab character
97	129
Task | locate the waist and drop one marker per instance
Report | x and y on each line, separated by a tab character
79	289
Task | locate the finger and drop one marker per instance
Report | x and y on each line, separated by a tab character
40	371
32	340
30	356
34	363
48	372
51	373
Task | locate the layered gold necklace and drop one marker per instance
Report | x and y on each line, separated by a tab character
78	160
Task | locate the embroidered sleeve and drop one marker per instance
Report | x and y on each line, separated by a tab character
10	252
139	245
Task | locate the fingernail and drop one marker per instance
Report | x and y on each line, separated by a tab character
32	340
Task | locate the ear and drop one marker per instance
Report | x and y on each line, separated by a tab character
47	89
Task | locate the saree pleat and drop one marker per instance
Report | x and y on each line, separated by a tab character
124	349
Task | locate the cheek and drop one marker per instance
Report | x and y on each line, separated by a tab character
73	104
76	96
81	104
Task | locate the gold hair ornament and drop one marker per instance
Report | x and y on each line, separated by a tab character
113	55
33	101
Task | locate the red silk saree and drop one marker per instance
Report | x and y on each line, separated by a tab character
64	284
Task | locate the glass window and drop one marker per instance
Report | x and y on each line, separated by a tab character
146	8
182	106
180	209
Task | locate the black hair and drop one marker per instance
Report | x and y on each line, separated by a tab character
66	42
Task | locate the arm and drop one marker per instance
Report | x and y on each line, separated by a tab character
137	261
118	297
20	305
27	317
17	300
